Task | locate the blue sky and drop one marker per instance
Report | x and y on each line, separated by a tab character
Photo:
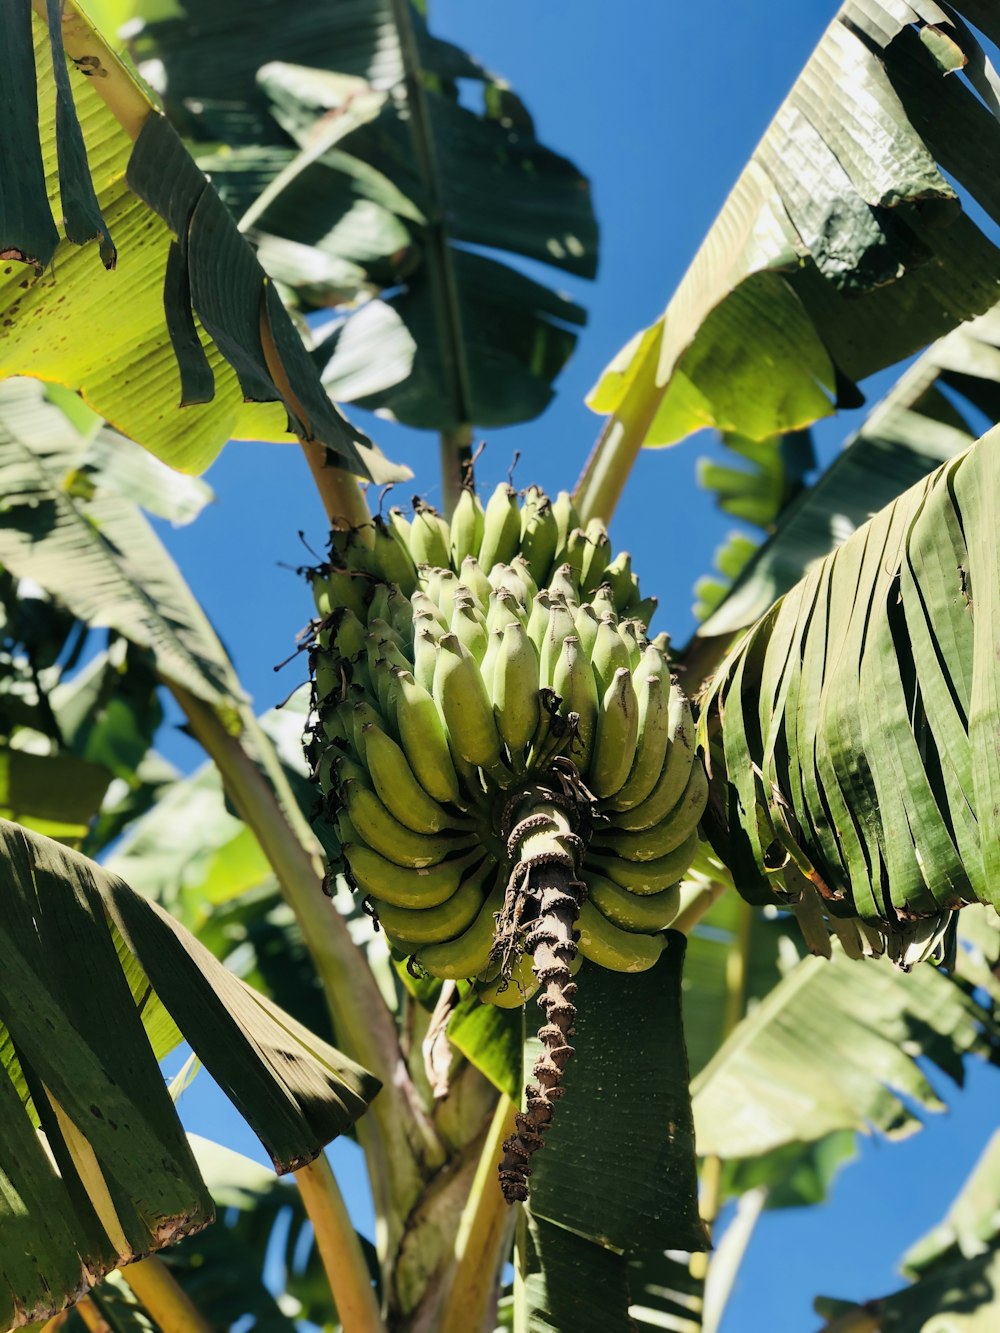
661	105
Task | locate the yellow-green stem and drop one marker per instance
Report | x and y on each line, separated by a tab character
484	1237
607	469
339	1249
342	496
456	464
156	1287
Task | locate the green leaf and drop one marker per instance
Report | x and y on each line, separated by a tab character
377	178
835	1046
618	1163
794	1175
858	747
489	1038
98	556
158	330
118	466
924	419
56	794
972	1223
842	248
569	1282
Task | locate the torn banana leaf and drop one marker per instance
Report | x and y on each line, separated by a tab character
97	984
843	246
179	312
852	731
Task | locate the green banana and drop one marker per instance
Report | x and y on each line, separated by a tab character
409	928
522	570
466	708
501	527
504	609
566	521
429	537
652	843
425	606
610	654
654	693
563	585
467	954
424	740
386	835
425	654
397	786
560	625
585	626
645	876
513	994
539	534
620	950
595	556
538	620
336	588
618	576
402	528
466	527
674	775
474	578
402	887
390	558
604	604
616	736
515	685
629	632
639	912
469	624
573	680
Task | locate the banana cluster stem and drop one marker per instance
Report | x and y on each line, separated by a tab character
544	895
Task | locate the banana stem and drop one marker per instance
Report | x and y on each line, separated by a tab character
342	496
172	1309
456	465
697	906
91	1316
397	1134
483	1240
339	1248
611	460
539	915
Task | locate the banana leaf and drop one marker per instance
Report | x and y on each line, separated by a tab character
852	730
189	315
92	549
97	984
932	413
843	247
362	175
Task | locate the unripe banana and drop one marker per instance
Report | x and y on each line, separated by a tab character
391	560
539	534
595	556
426	606
347	634
604	604
617	733
538	620
563	585
508	578
629	632
409	929
513	994
466	527
474	578
644	610
674	775
560	627
425	653
575	553
424	740
443	587
402	528
329	680
487	667
585	625
619	950
391	839
566	520
610	654
653	843
333	589
646	876
504	609
469	953
654	693
501	527
464	704
401	887
397	786
574	682
515	689
618	576
522	570
429	537
363	715
469	625
642	913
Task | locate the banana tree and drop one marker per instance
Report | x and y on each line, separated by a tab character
504	782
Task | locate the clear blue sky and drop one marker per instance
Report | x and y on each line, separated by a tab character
661	104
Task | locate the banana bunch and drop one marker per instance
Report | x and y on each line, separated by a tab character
451	662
